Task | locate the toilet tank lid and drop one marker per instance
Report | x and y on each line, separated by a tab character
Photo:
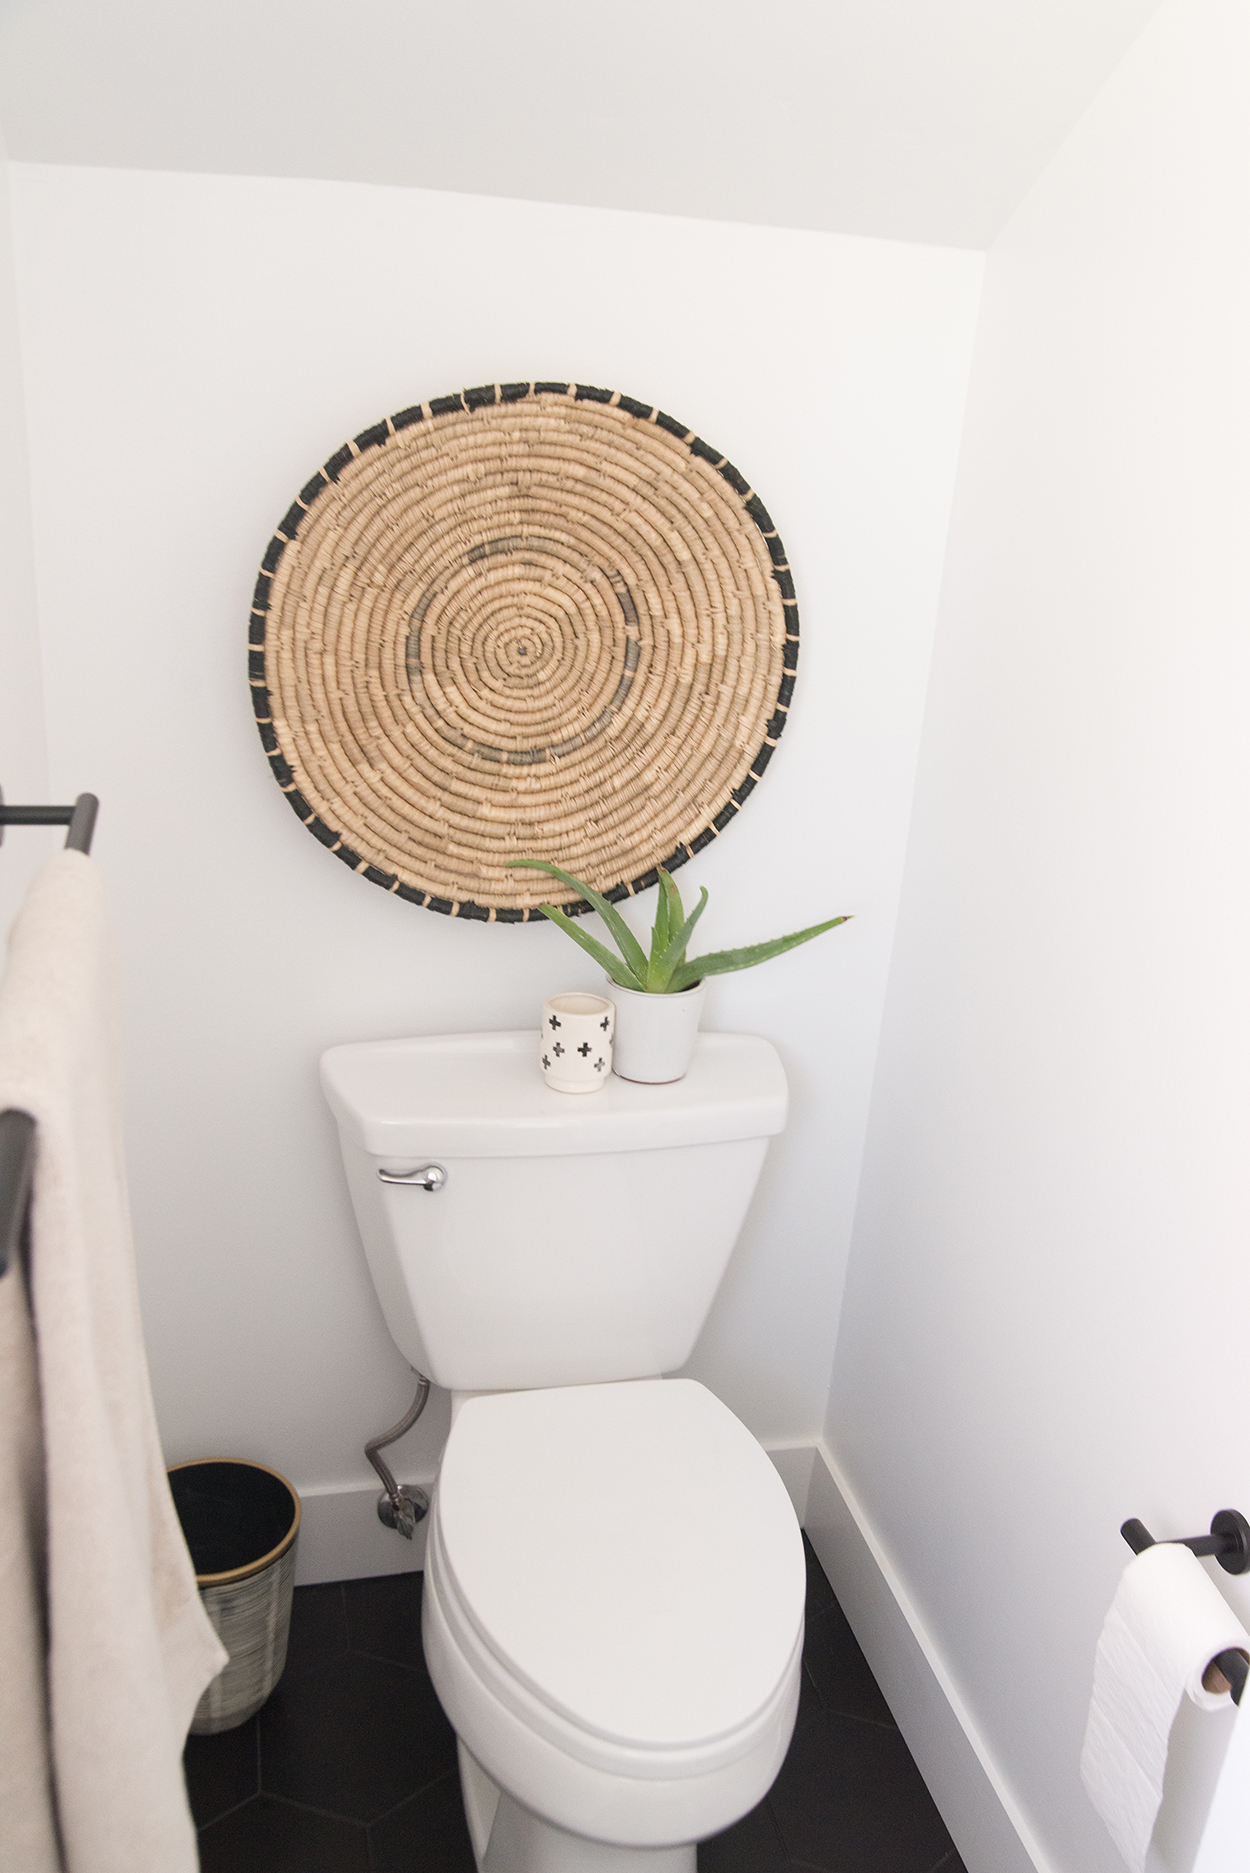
483	1096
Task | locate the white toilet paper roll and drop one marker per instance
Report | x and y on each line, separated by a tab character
1167	1622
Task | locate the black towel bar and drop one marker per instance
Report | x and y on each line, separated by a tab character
17	1162
80	818
17	1129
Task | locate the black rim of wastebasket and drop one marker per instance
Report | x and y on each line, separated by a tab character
274	1554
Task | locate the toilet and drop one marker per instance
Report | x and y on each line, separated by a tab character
613	1600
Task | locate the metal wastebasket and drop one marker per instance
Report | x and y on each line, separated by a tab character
241	1522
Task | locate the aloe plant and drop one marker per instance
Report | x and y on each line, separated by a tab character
665	971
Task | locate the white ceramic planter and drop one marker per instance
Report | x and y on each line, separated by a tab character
655	1034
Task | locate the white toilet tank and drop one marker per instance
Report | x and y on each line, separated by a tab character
573	1239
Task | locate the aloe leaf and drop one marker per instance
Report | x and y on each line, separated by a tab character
724	962
659	932
628	944
613	965
660	973
672	897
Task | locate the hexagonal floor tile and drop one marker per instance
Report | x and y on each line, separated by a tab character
839	1670
849	1796
355	1736
429	1832
752	1845
809	1702
318	1627
222	1771
269	1836
384	1617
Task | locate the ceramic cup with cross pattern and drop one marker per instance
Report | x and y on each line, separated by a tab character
575	1045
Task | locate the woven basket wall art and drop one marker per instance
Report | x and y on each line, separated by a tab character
530	620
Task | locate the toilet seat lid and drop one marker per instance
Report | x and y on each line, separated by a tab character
628	1552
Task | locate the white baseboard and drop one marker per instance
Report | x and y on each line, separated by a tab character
978	1805
341	1538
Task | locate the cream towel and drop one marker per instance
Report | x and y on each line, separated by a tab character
129	1646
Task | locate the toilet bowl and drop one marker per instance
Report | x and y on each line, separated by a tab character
613	1606
613	1620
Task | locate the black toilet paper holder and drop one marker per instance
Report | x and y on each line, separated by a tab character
1229	1544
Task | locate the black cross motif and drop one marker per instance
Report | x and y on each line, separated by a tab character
598	1066
557	1050
555	1021
584	1049
546	1061
604	1023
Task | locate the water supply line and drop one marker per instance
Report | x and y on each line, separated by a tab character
401	1505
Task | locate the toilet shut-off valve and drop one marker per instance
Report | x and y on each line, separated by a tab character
401	1505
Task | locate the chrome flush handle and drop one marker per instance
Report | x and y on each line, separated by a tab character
433	1177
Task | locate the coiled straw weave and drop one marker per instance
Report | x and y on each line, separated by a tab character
530	620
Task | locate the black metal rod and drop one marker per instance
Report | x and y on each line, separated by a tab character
1214	1545
17	1163
1228	1543
80	818
1234	1667
82	823
36	815
1137	1535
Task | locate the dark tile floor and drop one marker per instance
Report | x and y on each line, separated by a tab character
351	1765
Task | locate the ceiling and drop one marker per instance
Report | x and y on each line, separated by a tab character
920	120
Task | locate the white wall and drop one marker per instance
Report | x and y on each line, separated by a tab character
194	347
23	749
1050	1281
